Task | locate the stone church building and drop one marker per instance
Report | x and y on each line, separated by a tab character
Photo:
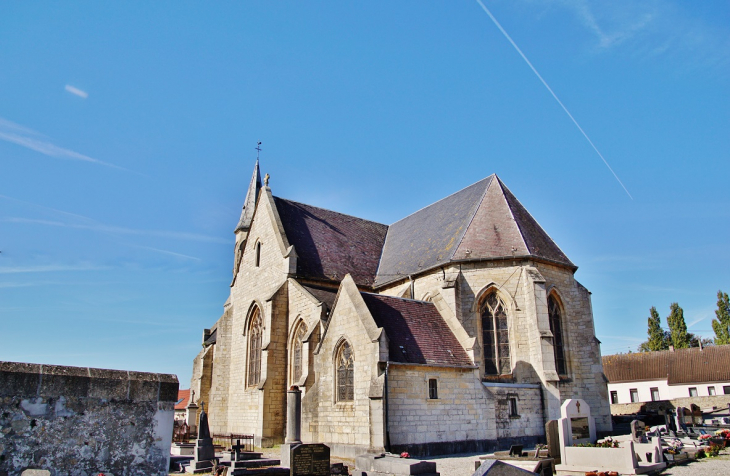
458	328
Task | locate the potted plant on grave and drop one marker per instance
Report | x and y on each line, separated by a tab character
674	448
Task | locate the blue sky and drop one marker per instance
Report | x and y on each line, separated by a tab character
127	133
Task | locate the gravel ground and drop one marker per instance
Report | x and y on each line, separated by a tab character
718	466
463	465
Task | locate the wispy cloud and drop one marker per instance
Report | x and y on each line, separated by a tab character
52	268
78	92
616	25
550	90
119	230
167	252
649	28
30	139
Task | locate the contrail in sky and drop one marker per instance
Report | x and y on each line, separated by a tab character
486	10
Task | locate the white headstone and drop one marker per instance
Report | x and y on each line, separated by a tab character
576	424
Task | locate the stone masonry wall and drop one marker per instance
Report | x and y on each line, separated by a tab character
716	401
216	400
255	409
345	423
466	416
72	420
582	350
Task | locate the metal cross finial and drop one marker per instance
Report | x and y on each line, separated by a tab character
258	149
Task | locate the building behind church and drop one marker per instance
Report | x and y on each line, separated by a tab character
458	328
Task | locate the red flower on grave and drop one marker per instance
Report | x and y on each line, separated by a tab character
405	455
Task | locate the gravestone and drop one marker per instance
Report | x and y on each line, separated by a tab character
309	460
638	431
553	440
36	472
576	424
499	468
204	450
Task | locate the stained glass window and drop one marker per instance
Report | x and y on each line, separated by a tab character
254	348
556	328
495	336
297	352
345	374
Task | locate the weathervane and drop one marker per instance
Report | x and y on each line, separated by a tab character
258	149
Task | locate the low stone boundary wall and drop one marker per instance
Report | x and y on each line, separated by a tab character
719	401
76	420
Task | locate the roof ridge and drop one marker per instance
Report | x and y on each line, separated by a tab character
396	297
442	199
328	210
504	187
473	215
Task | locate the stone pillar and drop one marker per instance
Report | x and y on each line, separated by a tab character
293	415
293	424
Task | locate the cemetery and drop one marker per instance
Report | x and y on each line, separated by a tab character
59	421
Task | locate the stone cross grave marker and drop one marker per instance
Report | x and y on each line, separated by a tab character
310	460
576	424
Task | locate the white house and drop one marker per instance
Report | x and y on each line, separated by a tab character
670	375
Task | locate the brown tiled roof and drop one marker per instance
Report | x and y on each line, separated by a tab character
330	244
681	366
416	331
182	399
481	221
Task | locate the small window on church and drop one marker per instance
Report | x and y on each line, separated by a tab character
495	336
345	374
258	254
513	407
254	348
297	357
433	389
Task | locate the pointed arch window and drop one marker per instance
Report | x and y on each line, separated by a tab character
255	333
556	327
345	373
297	357
495	336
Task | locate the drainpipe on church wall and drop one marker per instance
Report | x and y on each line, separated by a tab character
385	389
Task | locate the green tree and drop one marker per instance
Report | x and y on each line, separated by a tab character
677	327
657	339
721	325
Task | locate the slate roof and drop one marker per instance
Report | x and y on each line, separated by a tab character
481	221
681	366
249	203
416	331
325	295
212	338
330	244
183	396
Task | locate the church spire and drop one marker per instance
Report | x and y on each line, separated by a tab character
251	195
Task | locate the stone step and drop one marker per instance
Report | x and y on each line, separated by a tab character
254	471
255	463
245	456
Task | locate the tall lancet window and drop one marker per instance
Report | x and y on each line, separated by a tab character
297	357
495	336
345	373
556	327
255	332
